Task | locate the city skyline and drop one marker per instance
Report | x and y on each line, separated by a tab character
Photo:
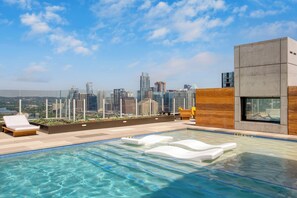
47	45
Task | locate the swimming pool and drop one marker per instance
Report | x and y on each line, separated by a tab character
257	168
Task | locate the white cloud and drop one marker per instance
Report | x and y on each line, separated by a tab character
47	23
262	13
51	16
24	4
36	23
158	33
185	21
160	10
35	68
111	8
240	10
65	43
146	5
272	30
40	23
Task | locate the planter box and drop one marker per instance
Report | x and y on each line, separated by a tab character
103	124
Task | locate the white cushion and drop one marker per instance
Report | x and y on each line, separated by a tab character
24	127
16	120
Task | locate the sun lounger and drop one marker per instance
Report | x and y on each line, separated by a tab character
19	125
201	146
147	140
180	153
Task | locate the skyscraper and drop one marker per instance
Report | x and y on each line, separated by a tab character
100	97
160	86
144	85
91	98
118	94
89	88
228	79
129	105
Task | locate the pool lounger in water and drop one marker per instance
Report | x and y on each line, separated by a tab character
147	140
180	153
201	146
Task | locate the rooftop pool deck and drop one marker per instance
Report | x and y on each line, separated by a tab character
9	144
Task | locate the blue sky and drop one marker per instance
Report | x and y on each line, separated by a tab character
58	44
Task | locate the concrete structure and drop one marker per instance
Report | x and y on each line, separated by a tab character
263	72
228	79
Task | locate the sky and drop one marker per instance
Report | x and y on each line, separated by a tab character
58	44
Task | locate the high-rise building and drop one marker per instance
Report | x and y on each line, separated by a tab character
92	102
118	94
144	85
160	86
158	97
100	97
73	93
183	98
80	102
129	105
89	88
144	107
228	79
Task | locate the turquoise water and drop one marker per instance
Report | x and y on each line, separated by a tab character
112	169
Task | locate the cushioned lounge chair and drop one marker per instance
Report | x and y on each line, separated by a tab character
201	146
147	140
180	153
19	125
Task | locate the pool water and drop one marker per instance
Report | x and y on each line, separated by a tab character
257	168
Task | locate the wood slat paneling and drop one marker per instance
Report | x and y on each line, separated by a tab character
292	110
215	107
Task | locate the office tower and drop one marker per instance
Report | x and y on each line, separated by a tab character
144	107
158	96
73	94
91	99
118	94
228	79
91	102
183	98
108	103
80	101
144	85
100	97
89	88
129	105
160	86
168	100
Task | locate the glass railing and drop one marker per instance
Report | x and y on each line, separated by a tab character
104	104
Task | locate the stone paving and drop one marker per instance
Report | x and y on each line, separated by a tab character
9	144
